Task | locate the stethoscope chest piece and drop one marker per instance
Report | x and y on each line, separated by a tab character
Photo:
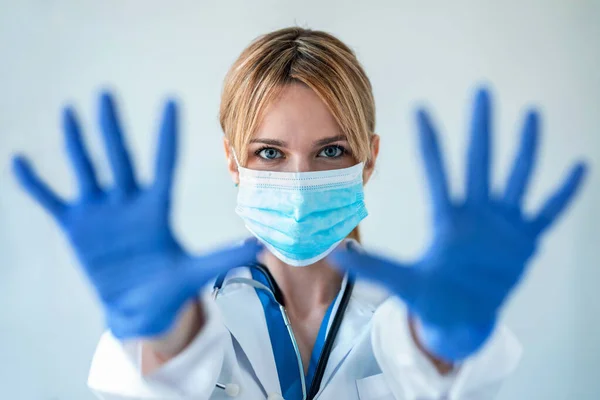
231	389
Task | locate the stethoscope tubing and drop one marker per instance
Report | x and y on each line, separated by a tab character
275	293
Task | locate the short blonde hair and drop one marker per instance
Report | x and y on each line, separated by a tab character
314	58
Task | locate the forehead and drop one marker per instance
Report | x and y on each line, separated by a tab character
297	115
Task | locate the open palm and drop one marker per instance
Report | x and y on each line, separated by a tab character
481	244
122	235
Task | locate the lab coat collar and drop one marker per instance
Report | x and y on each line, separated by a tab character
240	304
355	325
365	299
244	318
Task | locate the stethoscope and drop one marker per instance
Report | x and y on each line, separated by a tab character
273	290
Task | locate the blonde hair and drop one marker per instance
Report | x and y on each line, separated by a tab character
297	55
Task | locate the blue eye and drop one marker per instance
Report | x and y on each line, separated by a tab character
269	153
332	151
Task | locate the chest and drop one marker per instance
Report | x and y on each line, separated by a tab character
356	377
306	332
263	358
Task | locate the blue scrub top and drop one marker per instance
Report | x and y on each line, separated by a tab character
283	349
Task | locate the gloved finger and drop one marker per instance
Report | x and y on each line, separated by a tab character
434	166
33	185
167	147
115	147
203	268
82	165
478	160
524	162
558	202
402	280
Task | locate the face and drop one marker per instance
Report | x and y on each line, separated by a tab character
298	133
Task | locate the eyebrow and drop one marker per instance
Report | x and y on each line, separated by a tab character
332	139
272	142
280	143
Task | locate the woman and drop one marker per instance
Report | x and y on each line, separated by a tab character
295	319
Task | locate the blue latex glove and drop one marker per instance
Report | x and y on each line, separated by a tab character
481	244
122	236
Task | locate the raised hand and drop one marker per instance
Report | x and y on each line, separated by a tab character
481	244
122	236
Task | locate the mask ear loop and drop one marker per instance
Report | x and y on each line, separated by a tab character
237	162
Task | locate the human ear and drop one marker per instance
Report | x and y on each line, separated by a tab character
370	165
231	164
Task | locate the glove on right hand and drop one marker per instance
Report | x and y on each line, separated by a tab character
122	235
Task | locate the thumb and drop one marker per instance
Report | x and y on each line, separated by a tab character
403	280
201	269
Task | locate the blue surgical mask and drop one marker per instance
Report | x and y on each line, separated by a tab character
301	216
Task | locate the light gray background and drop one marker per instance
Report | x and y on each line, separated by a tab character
530	52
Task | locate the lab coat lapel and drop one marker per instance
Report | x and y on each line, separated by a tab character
356	323
244	317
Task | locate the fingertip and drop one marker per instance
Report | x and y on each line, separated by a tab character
20	166
530	132
483	93
352	244
249	240
170	111
339	257
105	96
23	172
580	172
258	245
17	160
336	262
532	118
423	120
253	244
68	113
576	174
171	105
424	124
107	105
581	168
68	119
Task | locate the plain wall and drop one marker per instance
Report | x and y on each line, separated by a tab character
544	53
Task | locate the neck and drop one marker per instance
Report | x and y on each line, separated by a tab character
304	289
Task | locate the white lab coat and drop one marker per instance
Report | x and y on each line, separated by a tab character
373	357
